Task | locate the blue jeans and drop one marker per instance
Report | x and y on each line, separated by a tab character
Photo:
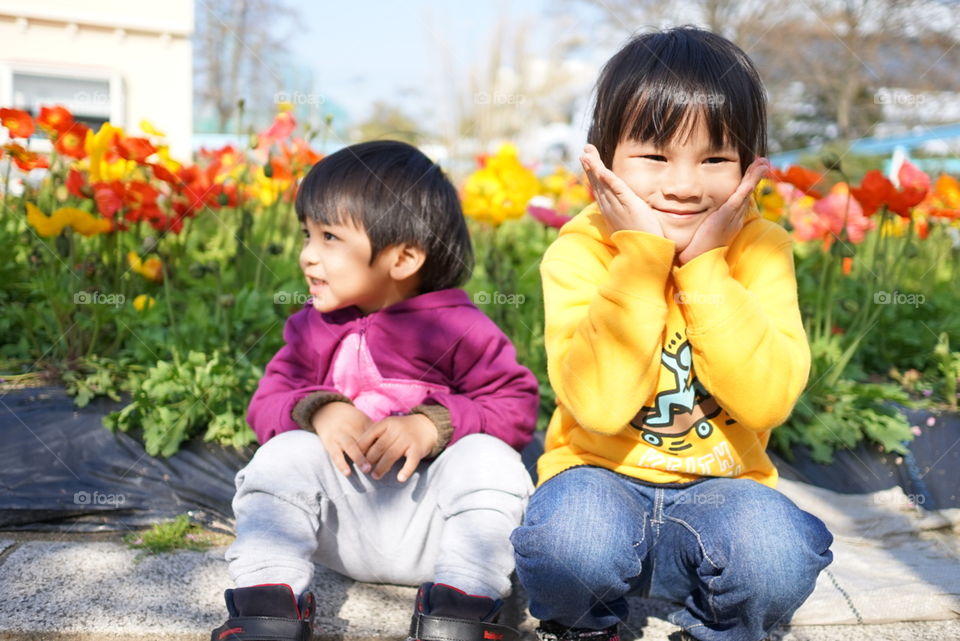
740	556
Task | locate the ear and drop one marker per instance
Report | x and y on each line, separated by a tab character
405	261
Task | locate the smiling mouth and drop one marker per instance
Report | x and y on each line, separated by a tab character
676	212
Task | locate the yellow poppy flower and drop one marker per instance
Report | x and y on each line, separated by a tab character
143	302
501	189
151	269
81	221
147	127
769	200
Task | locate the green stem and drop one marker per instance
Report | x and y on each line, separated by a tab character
174	344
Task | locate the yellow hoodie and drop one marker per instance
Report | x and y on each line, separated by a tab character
670	373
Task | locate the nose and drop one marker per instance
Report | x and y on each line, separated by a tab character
680	183
309	255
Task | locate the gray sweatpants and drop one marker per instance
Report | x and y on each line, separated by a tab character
450	522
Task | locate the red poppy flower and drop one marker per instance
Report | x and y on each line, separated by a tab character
55	120
70	141
803	179
141	201
164	174
140	194
76	184
109	197
136	149
26	159
225	194
18	122
876	190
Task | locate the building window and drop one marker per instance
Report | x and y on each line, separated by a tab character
90	100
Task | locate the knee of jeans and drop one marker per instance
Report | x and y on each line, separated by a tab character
787	556
573	553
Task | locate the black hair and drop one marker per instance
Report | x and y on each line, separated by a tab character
660	83
395	194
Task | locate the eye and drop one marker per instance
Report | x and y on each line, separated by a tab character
328	236
652	439
716	160
654	157
306	233
704	429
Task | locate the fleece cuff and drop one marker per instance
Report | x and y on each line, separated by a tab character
440	417
303	411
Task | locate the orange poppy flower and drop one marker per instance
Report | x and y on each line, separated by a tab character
299	154
26	159
18	122
944	200
803	179
847	265
55	120
70	142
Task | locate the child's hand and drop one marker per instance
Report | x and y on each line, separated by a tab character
722	225
621	208
340	427
385	441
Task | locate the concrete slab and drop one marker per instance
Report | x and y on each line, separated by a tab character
85	591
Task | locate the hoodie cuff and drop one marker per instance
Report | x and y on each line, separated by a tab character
303	411
440	417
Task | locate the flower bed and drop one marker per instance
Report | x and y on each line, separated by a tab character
167	284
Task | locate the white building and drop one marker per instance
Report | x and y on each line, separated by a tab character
116	60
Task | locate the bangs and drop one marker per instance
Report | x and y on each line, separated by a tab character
338	194
660	117
660	85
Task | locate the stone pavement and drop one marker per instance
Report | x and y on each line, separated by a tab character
88	587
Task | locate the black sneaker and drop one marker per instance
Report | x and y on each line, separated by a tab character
267	613
553	631
444	613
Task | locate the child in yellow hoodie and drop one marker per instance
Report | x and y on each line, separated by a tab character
675	345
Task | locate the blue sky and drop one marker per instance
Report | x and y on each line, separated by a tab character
362	50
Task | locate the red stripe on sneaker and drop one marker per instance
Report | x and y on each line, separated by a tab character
492	636
226	633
